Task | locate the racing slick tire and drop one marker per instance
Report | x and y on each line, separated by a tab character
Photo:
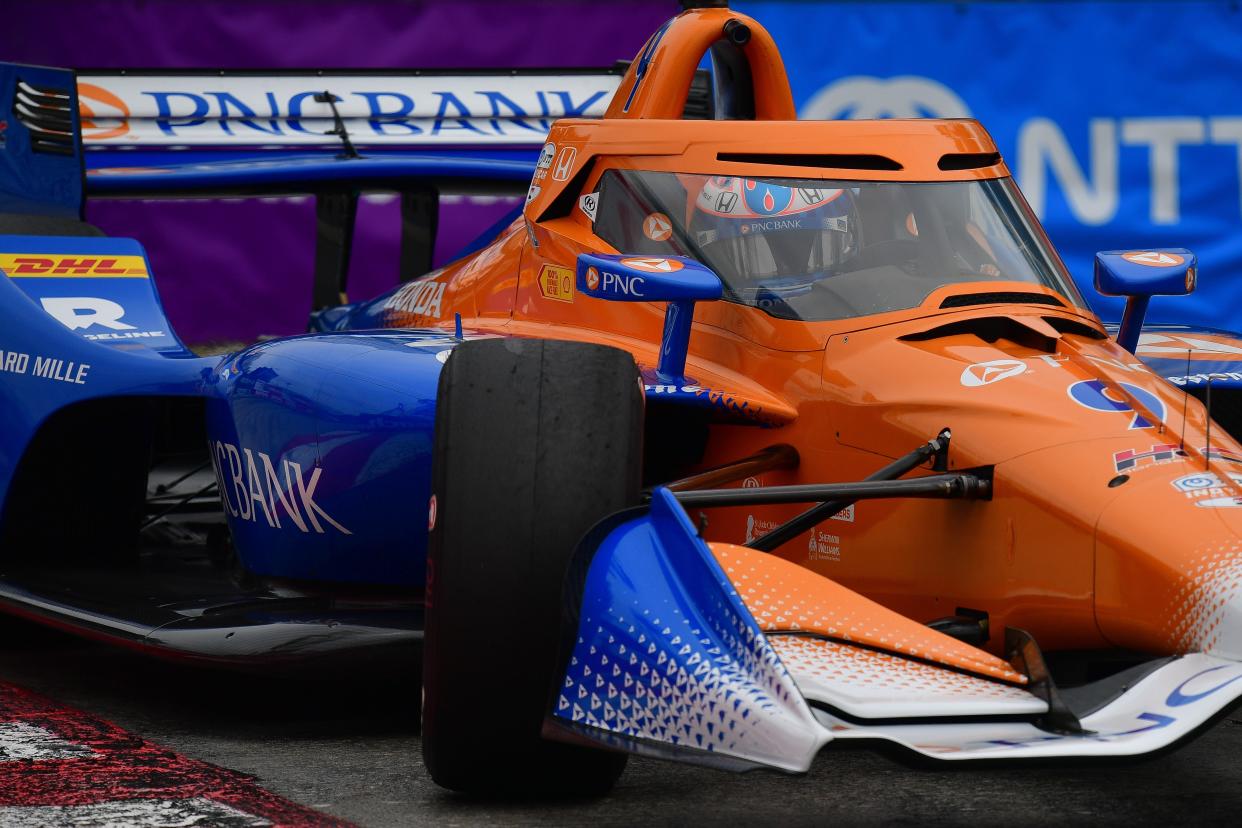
536	441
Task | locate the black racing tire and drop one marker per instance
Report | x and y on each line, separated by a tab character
536	441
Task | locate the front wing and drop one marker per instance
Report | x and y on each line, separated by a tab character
724	655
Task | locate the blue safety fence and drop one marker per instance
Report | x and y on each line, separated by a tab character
1122	121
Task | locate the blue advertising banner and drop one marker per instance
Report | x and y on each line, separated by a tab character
1121	121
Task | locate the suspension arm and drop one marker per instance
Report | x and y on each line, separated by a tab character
942	486
937	448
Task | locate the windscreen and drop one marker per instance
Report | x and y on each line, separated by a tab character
815	249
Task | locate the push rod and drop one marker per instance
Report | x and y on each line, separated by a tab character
959	485
816	515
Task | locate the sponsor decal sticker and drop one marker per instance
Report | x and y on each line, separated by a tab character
752	483
588	204
1196	346
986	373
592	278
252	487
1132	459
758	528
824	546
44	367
1198	481
713	396
1228	455
79	312
422	297
1153	258
564	164
1207	490
657	227
1199	379
546	155
46	265
1096	396
653	265
103	114
557	283
432	508
622	283
1221	503
249	110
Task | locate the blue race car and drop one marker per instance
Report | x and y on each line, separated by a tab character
330	500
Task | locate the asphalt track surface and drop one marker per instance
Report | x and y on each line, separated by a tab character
350	748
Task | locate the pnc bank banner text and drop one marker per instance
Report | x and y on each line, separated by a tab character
1122	122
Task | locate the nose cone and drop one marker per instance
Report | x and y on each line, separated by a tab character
1169	560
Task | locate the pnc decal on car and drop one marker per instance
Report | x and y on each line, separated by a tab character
254	489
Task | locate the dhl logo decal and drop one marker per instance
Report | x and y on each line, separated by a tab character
22	265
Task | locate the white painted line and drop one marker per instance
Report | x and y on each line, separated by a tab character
138	813
22	741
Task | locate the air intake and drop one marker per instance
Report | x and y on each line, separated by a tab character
1001	298
968	160
833	162
46	112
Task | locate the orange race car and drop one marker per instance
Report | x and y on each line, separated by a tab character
746	436
873	298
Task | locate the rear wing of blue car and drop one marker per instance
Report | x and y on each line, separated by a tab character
68	135
234	131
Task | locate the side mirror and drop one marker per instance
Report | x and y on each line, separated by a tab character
1140	275
678	280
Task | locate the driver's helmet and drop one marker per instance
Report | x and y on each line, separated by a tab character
774	233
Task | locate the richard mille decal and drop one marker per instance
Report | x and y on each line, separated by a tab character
44	367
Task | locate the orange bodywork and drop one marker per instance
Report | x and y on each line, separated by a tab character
1064	549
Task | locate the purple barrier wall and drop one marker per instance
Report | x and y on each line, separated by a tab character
239	269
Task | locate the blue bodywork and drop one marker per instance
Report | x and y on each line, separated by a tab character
111	173
322	447
678	280
45	366
321	444
667	654
33	182
1224	372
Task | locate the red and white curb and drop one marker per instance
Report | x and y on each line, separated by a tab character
60	766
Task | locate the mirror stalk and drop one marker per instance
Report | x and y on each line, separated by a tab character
675	343
1132	322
